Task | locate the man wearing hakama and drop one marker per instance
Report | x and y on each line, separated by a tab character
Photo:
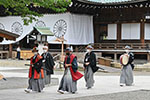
126	77
71	74
36	73
89	67
48	64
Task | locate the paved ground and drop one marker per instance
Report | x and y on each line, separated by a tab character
133	95
106	87
20	82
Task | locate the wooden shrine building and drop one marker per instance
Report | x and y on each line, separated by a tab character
6	35
118	23
114	20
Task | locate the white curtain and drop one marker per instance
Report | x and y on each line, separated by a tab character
80	30
112	31
79	27
147	31
131	31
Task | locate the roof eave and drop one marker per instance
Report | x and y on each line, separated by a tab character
9	33
114	3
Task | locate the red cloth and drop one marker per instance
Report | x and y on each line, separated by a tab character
75	75
36	74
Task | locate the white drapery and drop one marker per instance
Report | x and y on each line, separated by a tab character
79	27
147	31
131	31
112	31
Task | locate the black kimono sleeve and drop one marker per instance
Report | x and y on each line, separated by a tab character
75	65
38	66
93	62
131	59
49	64
51	60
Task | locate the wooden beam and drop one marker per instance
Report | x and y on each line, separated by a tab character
7	36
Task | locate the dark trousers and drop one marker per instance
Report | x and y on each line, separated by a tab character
18	55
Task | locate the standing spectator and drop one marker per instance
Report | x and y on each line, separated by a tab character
18	52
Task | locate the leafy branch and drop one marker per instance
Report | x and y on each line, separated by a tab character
29	9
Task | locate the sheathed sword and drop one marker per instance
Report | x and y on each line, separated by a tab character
82	63
41	67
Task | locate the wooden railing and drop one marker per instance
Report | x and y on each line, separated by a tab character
119	46
81	48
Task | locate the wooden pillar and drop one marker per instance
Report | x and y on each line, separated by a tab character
96	33
76	48
10	50
142	32
115	56
148	57
118	32
62	51
3	47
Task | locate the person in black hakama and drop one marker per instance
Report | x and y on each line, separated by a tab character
126	77
71	75
89	67
48	64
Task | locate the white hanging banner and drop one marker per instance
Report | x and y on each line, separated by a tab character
77	29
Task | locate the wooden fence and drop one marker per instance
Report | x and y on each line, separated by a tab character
119	46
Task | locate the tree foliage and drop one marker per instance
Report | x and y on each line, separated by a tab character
24	9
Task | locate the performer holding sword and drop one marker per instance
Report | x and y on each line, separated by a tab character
126	60
71	74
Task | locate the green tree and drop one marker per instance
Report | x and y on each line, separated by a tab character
24	9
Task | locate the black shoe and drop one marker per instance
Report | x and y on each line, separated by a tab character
88	87
60	91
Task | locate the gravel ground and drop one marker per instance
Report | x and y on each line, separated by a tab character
134	95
